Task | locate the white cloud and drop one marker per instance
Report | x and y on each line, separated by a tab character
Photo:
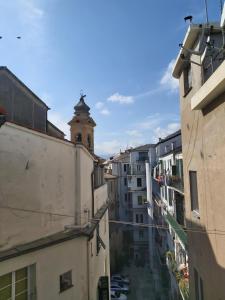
121	99
134	133
99	105
59	122
105	112
167	81
108	147
162	132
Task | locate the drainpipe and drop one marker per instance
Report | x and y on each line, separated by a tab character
88	271
92	193
150	209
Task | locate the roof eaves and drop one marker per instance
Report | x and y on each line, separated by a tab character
4	68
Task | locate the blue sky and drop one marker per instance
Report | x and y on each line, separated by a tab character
120	52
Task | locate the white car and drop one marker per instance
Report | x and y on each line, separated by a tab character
120	278
118	296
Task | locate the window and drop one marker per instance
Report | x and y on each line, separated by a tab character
141	218
139	182
193	190
137	218
141	234
187	79
78	138
125	167
125	181
125	197
166	193
140	200
89	140
66	281
170	195
143	156
19	284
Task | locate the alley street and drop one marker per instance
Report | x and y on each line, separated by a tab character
146	285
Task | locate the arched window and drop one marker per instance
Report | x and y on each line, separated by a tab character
89	140
79	138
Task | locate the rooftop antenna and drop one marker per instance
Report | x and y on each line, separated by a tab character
206	12
221	6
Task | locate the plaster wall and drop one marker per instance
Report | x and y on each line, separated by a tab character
42	181
203	143
48	271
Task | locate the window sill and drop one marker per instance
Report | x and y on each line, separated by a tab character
63	290
187	91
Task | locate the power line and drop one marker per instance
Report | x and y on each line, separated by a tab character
163	227
218	232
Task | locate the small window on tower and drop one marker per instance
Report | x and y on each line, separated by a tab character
79	138
89	140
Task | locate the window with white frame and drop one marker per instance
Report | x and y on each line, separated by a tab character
19	284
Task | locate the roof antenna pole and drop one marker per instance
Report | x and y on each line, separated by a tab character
221	6
206	11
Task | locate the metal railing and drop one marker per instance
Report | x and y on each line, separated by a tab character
175	181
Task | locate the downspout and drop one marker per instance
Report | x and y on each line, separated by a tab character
92	193
88	271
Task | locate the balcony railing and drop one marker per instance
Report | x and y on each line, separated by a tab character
135	170
182	276
175	182
177	228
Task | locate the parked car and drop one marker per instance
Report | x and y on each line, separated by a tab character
119	287
120	278
118	296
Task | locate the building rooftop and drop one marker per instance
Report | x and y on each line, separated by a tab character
10	73
142	148
170	136
192	33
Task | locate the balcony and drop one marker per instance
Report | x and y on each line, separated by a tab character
136	169
177	228
176	182
181	275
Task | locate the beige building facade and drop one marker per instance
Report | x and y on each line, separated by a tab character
200	67
54	236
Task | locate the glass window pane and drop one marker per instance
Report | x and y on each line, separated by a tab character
5	280
21	286
20	274
6	293
22	296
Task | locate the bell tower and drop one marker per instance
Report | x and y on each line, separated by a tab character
82	125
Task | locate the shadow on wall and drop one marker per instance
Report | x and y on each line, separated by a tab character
206	262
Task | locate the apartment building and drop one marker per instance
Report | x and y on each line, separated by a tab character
129	167
200	68
169	213
137	192
54	239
